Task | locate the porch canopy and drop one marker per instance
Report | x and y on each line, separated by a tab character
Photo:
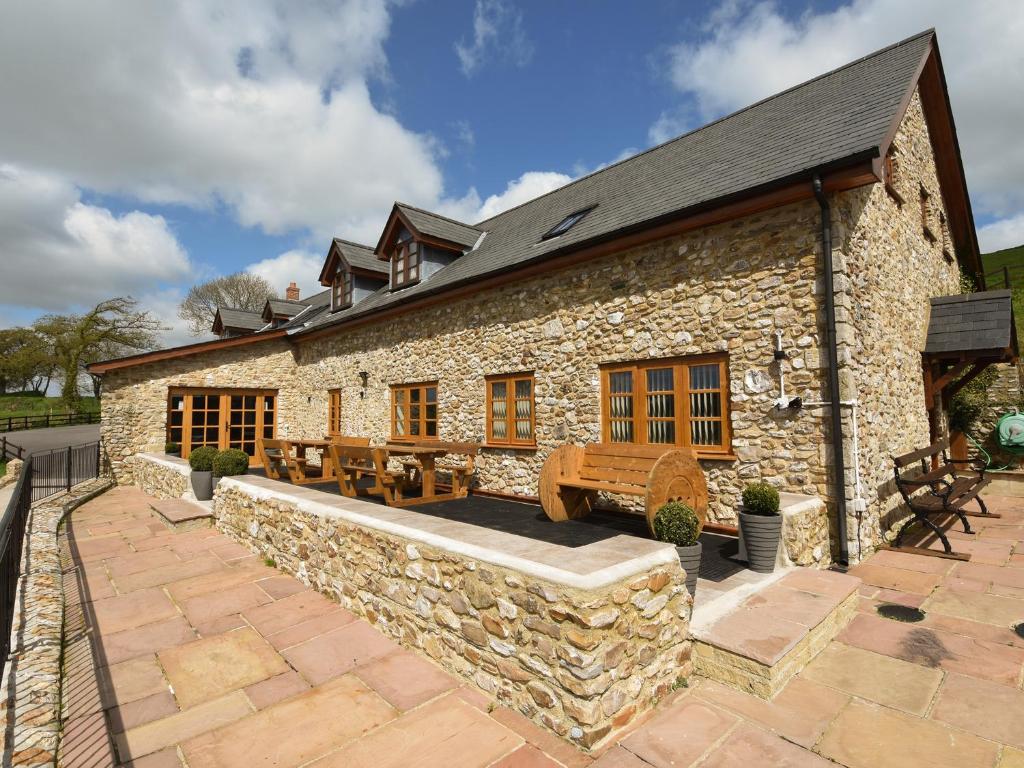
966	334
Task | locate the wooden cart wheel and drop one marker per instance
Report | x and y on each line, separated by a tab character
677	476
563	503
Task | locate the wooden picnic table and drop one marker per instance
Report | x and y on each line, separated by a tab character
427	455
302	447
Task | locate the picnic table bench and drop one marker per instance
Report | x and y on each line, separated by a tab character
352	462
946	491
572	476
442	451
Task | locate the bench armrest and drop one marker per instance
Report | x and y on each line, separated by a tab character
977	464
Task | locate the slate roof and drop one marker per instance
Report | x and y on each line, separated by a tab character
971	323
240	318
360	256
836	119
436	225
286	307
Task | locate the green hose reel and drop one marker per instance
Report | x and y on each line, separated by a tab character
1010	433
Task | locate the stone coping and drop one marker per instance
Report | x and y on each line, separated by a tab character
176	463
588	567
798	503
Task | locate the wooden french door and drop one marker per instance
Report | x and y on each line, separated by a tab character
221	418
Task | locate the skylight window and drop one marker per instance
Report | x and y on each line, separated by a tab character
566	224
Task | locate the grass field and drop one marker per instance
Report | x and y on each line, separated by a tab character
1013	258
21	405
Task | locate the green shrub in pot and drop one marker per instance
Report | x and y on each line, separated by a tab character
230	462
760	526
677	524
172	449
201	461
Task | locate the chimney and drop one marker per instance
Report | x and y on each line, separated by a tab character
292	292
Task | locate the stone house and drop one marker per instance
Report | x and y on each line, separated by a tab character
717	291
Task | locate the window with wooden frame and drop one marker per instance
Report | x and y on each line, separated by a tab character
334	412
405	263
679	401
221	418
414	411
926	215
511	416
947	245
890	172
341	290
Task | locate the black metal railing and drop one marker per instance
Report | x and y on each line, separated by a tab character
45	420
63	468
12	537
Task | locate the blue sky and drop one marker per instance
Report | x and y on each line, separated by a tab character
168	143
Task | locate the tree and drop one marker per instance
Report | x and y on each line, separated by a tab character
112	328
241	290
26	360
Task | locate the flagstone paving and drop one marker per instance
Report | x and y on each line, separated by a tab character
206	656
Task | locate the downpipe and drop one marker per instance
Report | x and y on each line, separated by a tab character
833	371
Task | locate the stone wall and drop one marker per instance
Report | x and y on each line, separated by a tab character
581	662
886	271
161	476
1005	393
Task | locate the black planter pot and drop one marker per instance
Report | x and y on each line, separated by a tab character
761	534
202	485
689	559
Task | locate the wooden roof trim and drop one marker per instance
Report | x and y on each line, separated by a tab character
853	176
185	351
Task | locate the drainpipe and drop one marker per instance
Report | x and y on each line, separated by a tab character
833	372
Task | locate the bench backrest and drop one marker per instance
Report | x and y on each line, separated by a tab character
361	455
274	454
937	448
620	463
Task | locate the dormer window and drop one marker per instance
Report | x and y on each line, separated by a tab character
405	263
341	290
566	224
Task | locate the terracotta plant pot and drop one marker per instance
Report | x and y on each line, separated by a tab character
761	534
689	559
202	485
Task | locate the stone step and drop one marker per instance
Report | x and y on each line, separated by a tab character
758	639
181	515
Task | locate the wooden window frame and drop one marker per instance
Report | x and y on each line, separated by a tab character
510	380
423	421
947	248
926	214
341	290
681	391
333	412
411	269
224	412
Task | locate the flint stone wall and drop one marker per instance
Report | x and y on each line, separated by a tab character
579	661
163	477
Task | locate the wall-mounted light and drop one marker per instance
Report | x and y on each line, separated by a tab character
364	377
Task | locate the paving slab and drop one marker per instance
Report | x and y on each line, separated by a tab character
114	614
679	736
748	745
338	652
987	709
405	679
990	609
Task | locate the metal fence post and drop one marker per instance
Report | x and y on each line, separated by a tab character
69	470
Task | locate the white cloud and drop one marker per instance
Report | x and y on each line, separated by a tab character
301	267
528	186
60	252
750	50
260	105
497	32
1005	233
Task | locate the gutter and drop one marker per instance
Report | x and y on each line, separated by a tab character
833	371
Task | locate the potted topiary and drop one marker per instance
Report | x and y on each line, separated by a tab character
172	449
761	526
230	462
678	524
201	461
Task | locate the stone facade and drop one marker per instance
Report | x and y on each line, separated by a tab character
163	477
886	271
582	663
724	288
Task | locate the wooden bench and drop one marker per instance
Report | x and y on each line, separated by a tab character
946	490
461	472
274	455
572	477
351	462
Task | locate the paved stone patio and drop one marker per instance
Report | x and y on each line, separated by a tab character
208	657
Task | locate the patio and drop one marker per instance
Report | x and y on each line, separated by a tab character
205	654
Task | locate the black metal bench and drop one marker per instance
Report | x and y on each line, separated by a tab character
946	491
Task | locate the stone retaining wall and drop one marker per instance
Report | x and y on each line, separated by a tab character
162	476
581	662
